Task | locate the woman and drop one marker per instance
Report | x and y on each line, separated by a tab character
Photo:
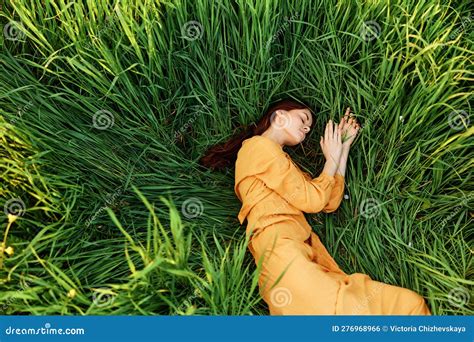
299	276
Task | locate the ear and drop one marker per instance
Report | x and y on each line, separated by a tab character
280	111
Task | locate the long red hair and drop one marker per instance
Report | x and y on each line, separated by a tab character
223	155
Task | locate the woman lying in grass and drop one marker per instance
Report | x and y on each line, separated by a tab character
299	276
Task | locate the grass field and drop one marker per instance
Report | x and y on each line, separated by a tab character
106	106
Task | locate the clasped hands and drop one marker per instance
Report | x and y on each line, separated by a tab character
337	141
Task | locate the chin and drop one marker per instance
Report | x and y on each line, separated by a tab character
295	139
295	142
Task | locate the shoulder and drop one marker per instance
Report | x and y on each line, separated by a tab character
257	154
261	145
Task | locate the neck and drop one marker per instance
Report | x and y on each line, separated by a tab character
270	134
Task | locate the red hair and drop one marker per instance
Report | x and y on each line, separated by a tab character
223	155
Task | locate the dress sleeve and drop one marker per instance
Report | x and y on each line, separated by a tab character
337	193
279	173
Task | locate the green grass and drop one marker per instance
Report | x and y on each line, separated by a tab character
106	108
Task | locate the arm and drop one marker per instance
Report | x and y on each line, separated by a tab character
273	167
350	127
302	192
338	189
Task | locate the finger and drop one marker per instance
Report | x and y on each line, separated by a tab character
341	124
331	130
346	124
326	132
348	110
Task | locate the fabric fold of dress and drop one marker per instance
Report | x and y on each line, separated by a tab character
298	275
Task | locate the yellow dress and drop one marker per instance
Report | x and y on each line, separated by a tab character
298	275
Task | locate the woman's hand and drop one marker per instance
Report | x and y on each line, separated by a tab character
349	128
331	144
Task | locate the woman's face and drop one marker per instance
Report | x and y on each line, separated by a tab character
292	125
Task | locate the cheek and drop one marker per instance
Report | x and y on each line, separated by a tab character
294	134
296	124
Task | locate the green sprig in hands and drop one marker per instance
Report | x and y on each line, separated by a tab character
337	141
349	128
